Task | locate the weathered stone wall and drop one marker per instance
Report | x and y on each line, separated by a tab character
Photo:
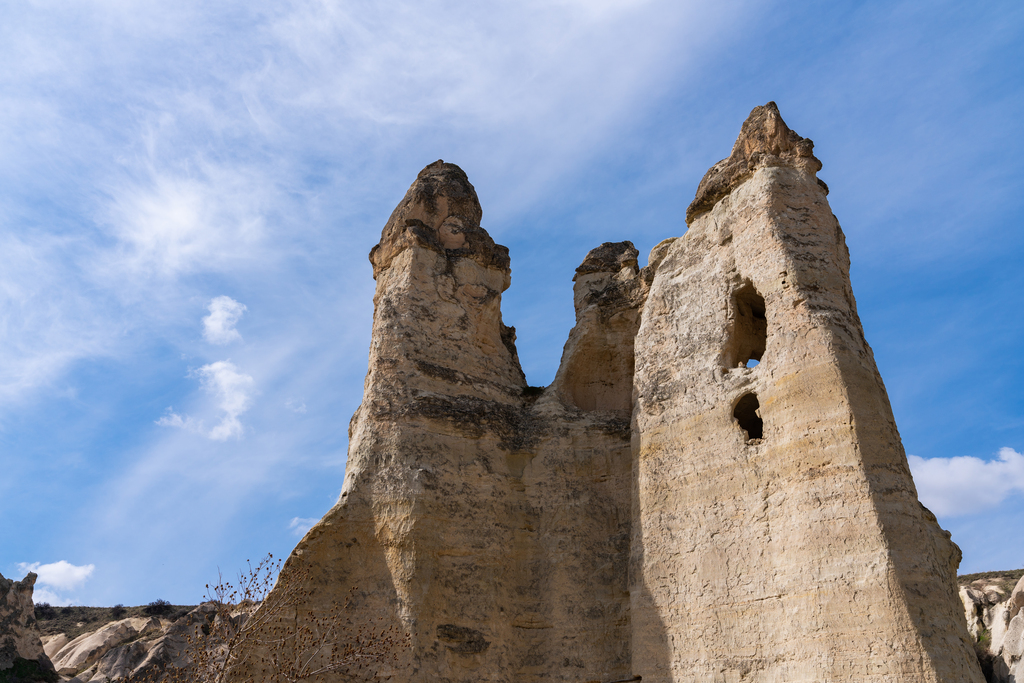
667	508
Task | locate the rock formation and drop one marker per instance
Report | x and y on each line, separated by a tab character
777	534
712	488
21	650
144	648
995	620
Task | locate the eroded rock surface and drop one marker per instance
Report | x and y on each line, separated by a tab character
21	649
764	141
713	487
87	649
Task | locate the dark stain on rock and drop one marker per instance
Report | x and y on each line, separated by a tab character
462	640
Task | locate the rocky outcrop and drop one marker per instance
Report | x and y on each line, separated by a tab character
87	649
148	648
995	620
712	488
21	650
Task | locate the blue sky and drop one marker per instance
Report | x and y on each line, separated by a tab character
188	192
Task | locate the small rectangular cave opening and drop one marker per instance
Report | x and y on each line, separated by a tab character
748	334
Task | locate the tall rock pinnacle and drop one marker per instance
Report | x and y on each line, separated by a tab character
777	534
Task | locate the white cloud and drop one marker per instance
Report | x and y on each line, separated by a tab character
300	525
55	577
61	575
296	406
233	390
963	485
219	326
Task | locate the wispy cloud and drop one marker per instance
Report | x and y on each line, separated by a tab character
219	326
47	319
175	221
951	487
233	392
56	578
173	419
300	525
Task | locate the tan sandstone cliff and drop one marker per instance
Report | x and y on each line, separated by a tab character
661	510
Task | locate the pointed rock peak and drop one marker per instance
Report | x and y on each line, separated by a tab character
610	257
764	140
440	212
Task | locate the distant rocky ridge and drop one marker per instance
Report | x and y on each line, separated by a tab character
140	647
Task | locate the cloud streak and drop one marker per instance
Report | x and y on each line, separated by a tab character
951	487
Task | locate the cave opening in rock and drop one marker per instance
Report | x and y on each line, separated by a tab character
748	415
749	334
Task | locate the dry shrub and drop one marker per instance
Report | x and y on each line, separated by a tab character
250	633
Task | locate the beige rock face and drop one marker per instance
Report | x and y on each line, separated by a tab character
85	650
138	648
662	509
777	534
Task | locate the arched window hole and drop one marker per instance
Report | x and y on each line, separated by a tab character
748	337
748	415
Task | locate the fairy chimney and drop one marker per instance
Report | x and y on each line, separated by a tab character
713	487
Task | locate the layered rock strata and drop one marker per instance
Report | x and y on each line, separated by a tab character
712	489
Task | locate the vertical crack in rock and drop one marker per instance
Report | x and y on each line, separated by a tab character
712	488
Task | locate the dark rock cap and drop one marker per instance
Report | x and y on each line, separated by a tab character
610	257
440	212
764	140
